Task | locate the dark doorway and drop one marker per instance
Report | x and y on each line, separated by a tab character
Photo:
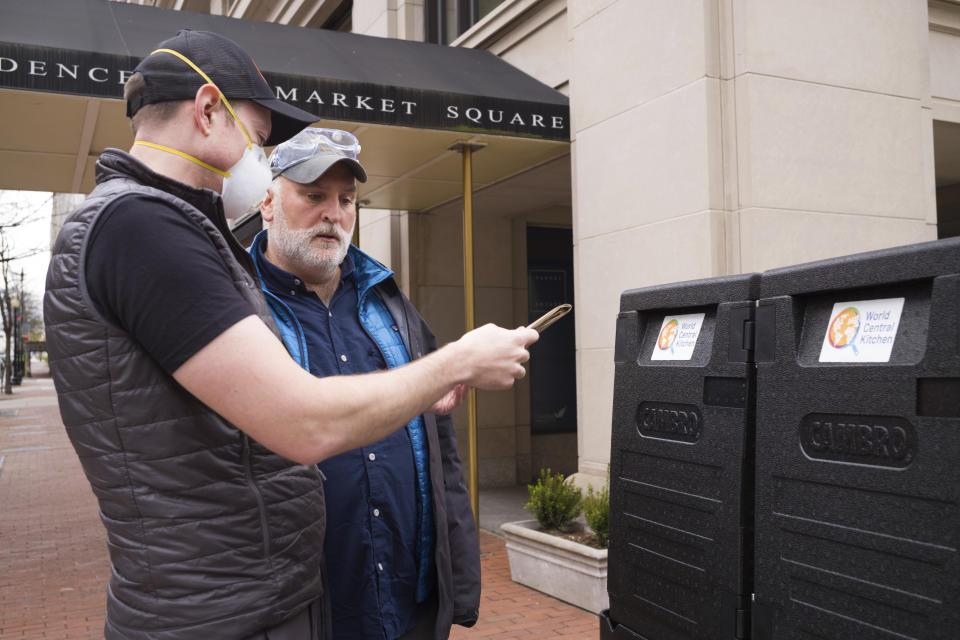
553	380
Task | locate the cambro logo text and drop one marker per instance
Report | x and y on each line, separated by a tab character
875	440
667	421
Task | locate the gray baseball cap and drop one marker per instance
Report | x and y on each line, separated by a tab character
309	154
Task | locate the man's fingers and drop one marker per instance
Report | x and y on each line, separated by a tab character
500	354
527	336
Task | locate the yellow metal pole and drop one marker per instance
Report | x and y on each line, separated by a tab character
474	480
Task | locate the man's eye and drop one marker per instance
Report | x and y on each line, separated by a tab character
348	201
315	197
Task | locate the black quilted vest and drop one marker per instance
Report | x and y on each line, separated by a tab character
210	534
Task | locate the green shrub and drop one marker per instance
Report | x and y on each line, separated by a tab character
553	501
596	511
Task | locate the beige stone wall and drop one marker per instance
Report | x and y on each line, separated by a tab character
944	41
709	137
647	175
437	291
945	108
384	234
833	128
401	19
735	136
531	35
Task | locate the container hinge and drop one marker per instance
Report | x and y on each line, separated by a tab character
749	335
742	332
765	332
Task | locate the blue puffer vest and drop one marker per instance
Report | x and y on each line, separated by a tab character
375	318
210	534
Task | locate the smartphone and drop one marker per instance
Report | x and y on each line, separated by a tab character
550	317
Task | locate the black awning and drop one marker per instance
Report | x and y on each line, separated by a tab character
89	48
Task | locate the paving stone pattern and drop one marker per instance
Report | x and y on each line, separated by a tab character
53	558
509	611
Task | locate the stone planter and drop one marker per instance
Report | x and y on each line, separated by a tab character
564	569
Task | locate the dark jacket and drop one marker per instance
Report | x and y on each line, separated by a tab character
210	534
457	554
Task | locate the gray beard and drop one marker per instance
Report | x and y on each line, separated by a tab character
295	245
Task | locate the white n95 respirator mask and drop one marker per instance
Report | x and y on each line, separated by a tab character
246	185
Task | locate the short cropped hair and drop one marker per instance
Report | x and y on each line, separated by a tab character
158	112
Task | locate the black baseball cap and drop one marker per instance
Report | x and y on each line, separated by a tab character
167	77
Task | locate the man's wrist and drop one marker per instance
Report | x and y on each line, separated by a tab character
456	363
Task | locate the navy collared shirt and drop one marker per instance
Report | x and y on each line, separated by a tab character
371	537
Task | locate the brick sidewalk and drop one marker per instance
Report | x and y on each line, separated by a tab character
509	611
53	559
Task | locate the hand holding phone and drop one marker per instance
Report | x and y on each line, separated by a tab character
550	317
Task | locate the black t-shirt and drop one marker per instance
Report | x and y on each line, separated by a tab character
157	275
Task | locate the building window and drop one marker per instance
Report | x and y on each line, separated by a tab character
448	19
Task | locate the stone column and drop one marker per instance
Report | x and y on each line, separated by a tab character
833	129
648	200
401	19
714	137
385	234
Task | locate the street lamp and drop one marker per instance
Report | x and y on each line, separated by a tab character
16	373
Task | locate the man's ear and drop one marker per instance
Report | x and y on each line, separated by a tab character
266	209
206	106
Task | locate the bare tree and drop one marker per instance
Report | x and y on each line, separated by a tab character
13	214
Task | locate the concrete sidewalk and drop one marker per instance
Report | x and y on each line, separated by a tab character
53	558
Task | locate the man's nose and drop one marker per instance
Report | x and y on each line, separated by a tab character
330	212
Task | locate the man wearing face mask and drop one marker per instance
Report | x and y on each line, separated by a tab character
196	430
401	545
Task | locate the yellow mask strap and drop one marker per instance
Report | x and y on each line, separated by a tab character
154	145
209	81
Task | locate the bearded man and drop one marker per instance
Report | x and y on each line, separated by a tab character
401	547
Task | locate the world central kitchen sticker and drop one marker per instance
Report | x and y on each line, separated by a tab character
862	331
678	337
